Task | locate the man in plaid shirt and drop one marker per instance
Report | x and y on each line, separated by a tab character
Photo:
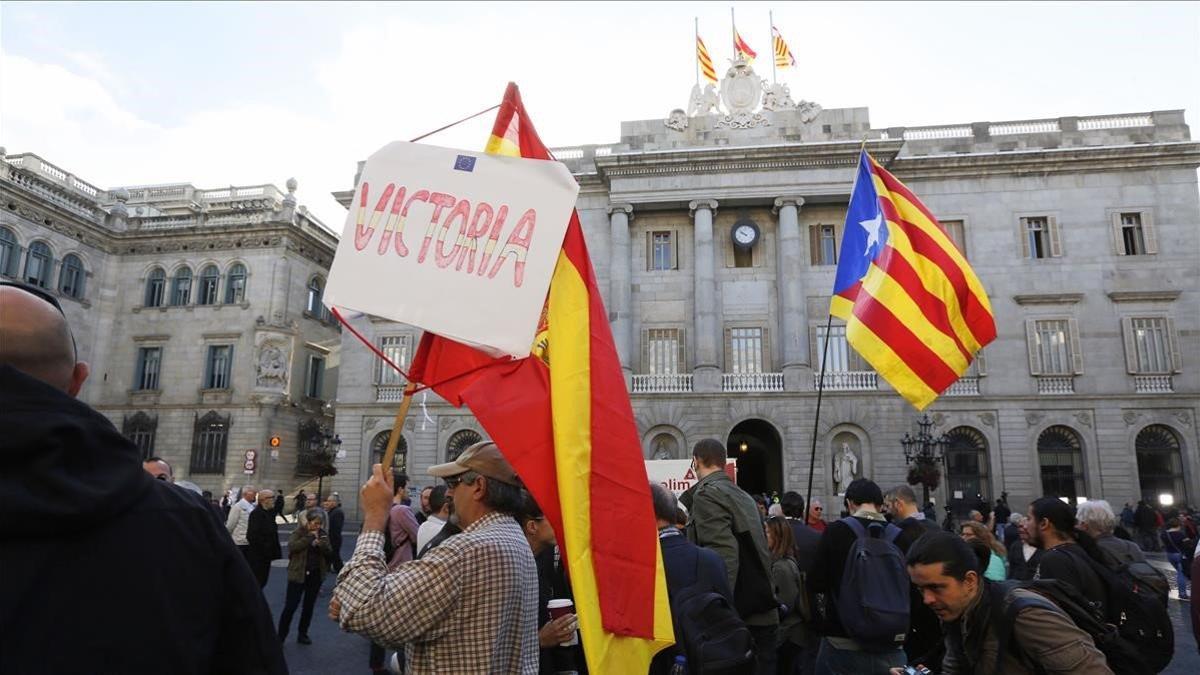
468	606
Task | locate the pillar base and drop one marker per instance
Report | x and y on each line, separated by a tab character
798	377
706	379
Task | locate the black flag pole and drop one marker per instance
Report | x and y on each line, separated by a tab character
812	457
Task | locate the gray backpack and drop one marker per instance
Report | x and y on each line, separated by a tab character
873	600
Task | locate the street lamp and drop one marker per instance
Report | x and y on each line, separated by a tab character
326	451
924	454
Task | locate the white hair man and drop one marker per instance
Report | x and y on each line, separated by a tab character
239	520
1096	517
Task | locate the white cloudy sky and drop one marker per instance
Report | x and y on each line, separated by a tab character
225	93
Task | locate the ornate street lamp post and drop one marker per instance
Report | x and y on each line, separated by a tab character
924	455
326	452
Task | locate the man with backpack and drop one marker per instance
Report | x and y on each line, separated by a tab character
701	601
861	569
994	628
725	520
1052	529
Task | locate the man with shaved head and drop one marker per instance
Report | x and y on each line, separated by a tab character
91	528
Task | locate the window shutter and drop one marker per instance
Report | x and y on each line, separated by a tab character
814	354
645	352
1076	352
1176	360
980	364
1035	364
674	249
766	362
1118	240
1055	238
814	245
1023	235
1148	232
683	367
838	233
856	361
1130	347
728	350
649	250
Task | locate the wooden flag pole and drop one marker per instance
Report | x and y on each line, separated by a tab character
389	454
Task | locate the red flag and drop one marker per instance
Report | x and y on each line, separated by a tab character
566	407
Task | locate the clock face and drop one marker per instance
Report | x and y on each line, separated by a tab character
744	234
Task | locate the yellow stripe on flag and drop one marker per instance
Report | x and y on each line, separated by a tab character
893	296
571	405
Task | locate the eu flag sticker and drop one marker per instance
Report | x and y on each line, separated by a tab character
464	163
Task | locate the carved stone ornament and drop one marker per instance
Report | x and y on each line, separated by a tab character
987	419
777	97
271	368
1184	418
370	423
1033	418
740	92
808	111
677	120
446	422
1131	417
703	102
938	419
1084	418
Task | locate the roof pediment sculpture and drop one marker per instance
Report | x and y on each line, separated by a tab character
740	92
703	102
677	120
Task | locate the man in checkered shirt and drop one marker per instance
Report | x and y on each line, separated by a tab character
467	606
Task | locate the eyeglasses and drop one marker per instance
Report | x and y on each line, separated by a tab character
453	481
818	508
161	476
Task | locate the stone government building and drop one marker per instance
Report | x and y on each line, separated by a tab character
199	312
715	237
714	234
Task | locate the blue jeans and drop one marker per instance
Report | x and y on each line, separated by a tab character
1176	561
834	661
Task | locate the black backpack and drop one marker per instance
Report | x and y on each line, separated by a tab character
1123	655
711	634
873	601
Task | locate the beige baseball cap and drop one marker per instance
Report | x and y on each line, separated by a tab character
485	459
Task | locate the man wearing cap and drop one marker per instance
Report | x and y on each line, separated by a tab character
467	606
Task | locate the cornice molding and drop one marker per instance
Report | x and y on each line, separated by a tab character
1049	161
1143	296
1048	299
726	159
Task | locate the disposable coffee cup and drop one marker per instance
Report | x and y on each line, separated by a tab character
560	607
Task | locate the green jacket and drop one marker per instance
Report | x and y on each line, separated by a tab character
719	512
299	548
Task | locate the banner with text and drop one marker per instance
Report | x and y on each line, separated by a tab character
459	243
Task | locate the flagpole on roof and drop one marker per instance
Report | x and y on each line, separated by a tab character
696	48
733	32
771	19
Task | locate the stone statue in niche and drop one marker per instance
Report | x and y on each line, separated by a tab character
272	367
845	468
664	447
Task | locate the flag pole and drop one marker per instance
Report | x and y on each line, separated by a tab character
389	453
771	19
696	48
812	457
733	32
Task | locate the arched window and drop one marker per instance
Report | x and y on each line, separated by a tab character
38	261
71	277
966	465
1160	465
140	429
1060	456
379	444
209	442
461	440
8	252
664	446
316	288
235	284
210	279
181	286
156	283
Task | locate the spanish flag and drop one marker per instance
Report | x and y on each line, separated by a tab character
913	307
562	417
705	61
783	55
741	48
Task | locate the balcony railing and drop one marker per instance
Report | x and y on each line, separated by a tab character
388	393
965	386
672	383
1153	384
752	382
1056	385
848	380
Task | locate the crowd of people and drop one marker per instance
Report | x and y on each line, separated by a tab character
473	581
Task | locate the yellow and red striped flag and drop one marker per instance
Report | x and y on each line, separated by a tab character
914	308
741	48
783	55
562	417
705	61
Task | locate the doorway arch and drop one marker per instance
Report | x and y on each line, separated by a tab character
757	448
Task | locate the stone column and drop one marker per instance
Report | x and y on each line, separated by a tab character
707	372
793	312
620	280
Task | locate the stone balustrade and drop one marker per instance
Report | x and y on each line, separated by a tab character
1055	385
848	380
965	386
752	382
388	393
1153	384
669	383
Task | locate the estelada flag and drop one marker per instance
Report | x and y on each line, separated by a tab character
740	46
705	61
562	417
914	308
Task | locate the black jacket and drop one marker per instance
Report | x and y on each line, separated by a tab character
262	534
337	521
807	539
685	564
103	567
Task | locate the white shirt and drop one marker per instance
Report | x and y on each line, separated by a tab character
239	520
428	529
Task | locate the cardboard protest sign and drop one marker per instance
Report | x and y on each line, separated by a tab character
677	475
459	243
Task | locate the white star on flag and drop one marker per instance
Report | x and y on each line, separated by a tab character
872	227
